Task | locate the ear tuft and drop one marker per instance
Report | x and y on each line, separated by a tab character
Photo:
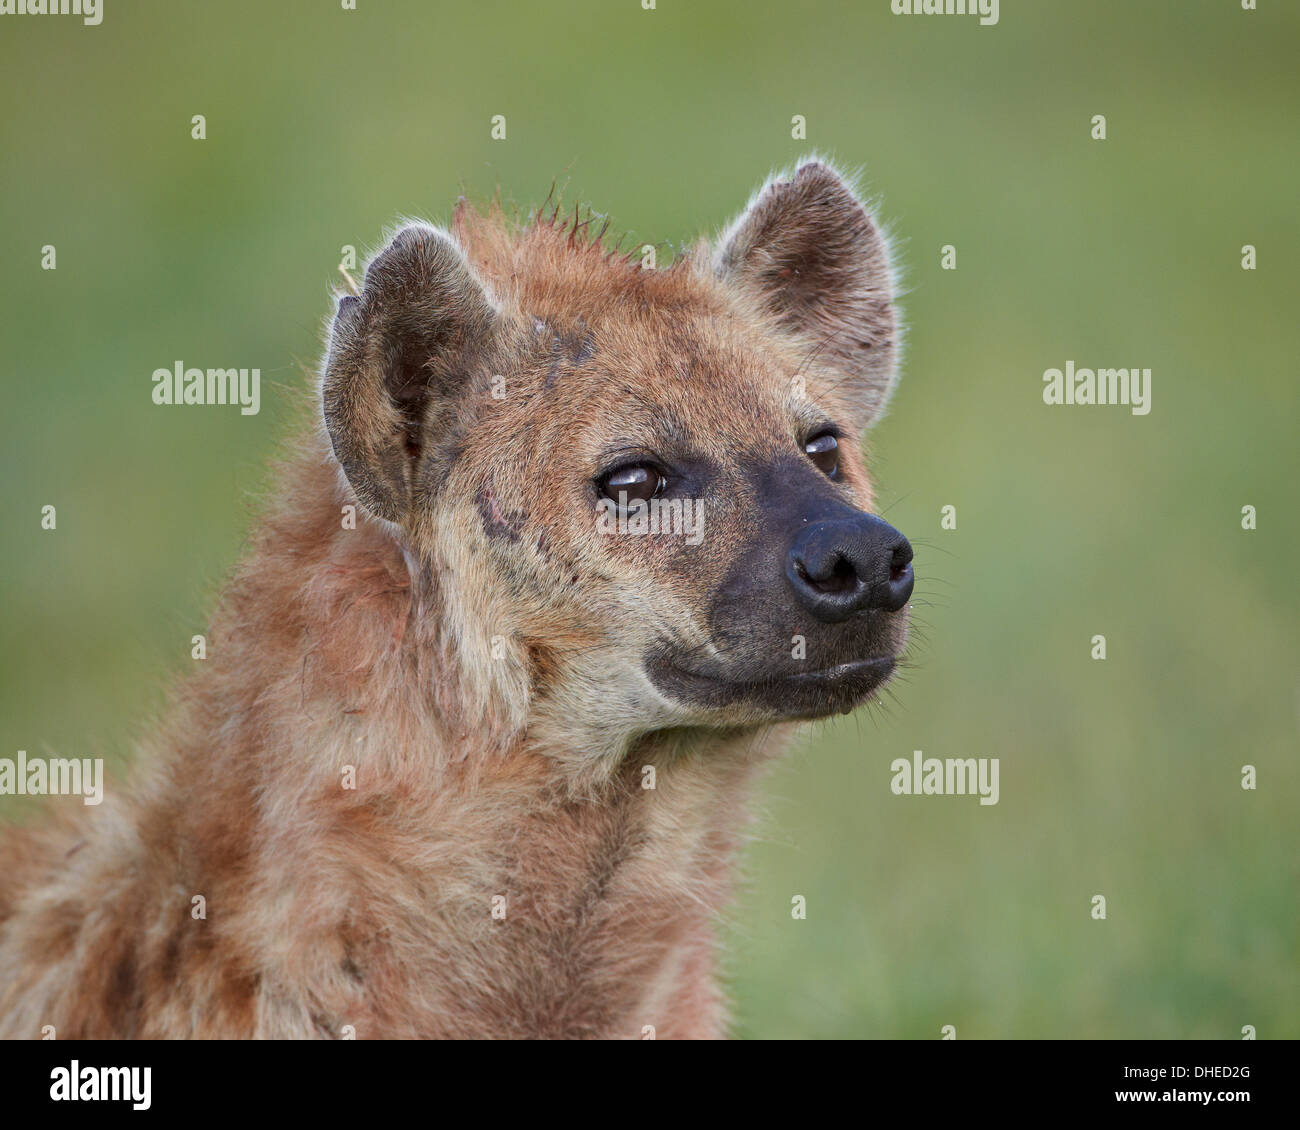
808	254
404	345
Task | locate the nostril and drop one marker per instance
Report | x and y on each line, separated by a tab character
841	578
901	580
900	559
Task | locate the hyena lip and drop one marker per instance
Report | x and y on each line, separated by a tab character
804	694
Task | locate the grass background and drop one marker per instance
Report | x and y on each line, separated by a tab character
1119	777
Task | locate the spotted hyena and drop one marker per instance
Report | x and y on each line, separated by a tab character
572	548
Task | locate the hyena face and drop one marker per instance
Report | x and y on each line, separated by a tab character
639	493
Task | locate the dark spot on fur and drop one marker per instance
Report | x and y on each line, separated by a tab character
498	523
586	347
122	993
171	957
569	349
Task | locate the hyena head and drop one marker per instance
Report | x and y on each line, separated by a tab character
639	493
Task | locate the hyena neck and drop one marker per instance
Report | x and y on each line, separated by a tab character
362	845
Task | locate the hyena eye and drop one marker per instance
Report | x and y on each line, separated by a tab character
824	451
632	484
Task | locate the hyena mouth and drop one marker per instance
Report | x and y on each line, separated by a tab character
795	695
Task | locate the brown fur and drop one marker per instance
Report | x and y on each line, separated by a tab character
475	653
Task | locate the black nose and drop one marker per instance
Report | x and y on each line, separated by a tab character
850	565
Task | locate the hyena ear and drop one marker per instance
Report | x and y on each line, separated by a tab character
399	352
808	253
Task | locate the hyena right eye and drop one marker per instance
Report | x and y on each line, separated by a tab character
635	483
824	451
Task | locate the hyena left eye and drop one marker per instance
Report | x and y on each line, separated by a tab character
824	451
637	483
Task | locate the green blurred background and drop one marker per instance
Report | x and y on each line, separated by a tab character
1119	777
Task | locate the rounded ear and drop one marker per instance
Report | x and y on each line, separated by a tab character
400	350
809	255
